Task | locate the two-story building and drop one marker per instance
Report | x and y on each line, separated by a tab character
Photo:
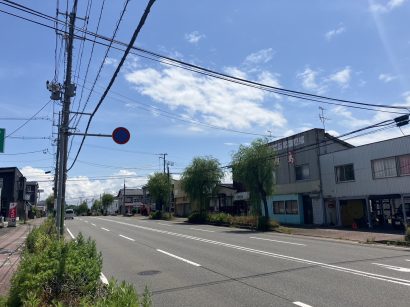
297	198
129	199
13	191
368	185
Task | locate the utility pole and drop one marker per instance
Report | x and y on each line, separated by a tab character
57	158
164	154
69	91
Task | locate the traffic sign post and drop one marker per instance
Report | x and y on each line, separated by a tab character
121	135
2	137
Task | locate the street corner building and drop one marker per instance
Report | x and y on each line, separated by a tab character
322	180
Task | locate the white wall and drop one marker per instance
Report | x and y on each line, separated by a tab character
361	157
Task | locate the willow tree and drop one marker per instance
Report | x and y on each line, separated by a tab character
253	166
200	179
159	187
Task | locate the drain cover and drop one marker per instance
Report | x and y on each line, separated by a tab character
147	273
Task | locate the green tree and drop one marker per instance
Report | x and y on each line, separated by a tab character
106	200
97	206
50	203
82	208
159	187
199	180
254	167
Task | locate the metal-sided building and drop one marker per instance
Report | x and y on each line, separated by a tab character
297	198
13	191
367	185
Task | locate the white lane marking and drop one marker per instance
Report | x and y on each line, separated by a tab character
301	304
407	259
93	224
177	257
257	238
127	238
202	229
105	229
385	278
392	267
86	221
164	224
104	279
68	230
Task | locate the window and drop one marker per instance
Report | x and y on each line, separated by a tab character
344	173
28	188
302	172
383	168
292	207
279	207
285	207
404	165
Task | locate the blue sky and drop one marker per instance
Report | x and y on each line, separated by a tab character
357	50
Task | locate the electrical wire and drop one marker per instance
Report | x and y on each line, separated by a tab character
212	73
28	120
131	43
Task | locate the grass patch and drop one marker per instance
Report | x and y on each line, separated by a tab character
55	272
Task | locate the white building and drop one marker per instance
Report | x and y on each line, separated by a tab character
367	185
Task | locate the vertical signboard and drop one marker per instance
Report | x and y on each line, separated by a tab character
2	136
12	214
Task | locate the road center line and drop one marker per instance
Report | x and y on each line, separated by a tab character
404	282
301	304
93	224
202	229
164	224
69	232
257	238
105	229
179	258
86	221
127	238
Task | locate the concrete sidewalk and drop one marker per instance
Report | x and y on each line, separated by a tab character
359	235
11	244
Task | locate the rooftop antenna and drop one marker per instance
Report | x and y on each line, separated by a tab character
322	117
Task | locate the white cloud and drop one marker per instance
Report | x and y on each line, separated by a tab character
83	186
342	77
194	37
332	33
110	61
310	82
387	78
214	101
260	57
386	7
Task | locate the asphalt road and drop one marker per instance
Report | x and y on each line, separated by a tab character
203	265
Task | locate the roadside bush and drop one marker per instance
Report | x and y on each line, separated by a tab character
53	272
263	223
197	218
219	218
167	216
157	215
407	235
245	220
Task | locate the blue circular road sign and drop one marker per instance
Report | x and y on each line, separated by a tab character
121	135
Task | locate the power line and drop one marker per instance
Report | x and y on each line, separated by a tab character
44	151
258	85
131	43
27	121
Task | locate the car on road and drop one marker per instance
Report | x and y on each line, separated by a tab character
69	214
